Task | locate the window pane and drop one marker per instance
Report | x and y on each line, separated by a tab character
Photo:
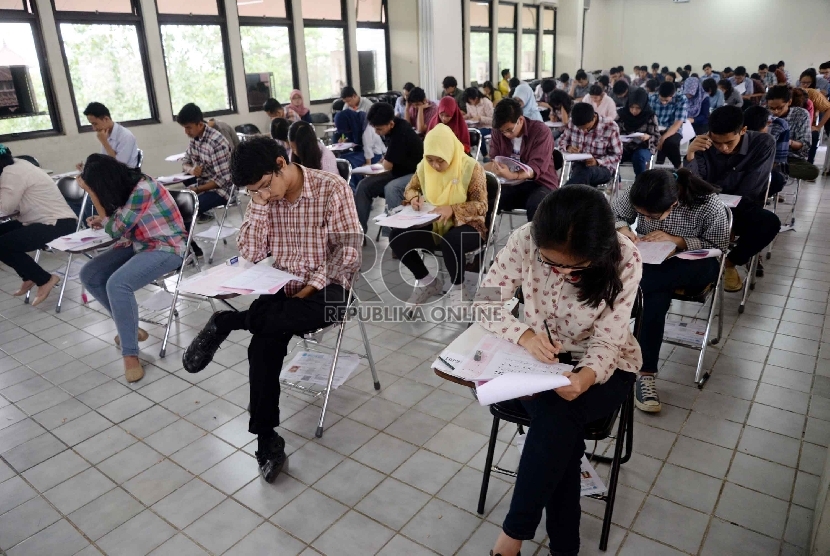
547	55
480	57
196	7
549	20
326	57
11	4
371	50
105	66
528	67
323	9
370	10
261	8
267	55
529	17
479	14
507	52
22	52
195	66
507	16
110	6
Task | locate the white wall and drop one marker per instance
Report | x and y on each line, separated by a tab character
723	32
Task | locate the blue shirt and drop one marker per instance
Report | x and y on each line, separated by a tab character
400	107
676	110
750	88
123	143
716	100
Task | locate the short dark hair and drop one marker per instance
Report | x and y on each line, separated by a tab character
505	72
825	65
762	67
614	70
687	67
620	87
652	85
564	78
417	94
710	86
811	73
727	69
773	67
271	105
507	111
595	90
560	98
779	92
582	113
471	93
279	128
684	75
381	113
548	85
781	63
621	68
726	119
655	65
112	182
580	75
740	70
97	110
666	89
449	81
636	68
707	65
664	69
514	82
408	86
755	76
728	88
657	190
756	118
190	114
604	80
673	75
254	158
347	91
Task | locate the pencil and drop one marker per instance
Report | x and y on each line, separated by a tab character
444	361
547	329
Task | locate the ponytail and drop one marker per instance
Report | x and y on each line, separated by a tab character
692	189
657	190
308	151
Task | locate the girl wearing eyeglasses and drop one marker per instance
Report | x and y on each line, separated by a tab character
579	278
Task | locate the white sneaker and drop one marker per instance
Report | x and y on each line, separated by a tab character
421	294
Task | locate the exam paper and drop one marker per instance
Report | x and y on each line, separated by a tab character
315	367
573	157
407	218
370	169
730	201
655	252
511	386
175	178
259	279
554	125
514	166
210	233
685	332
699	254
336	147
175	157
80	240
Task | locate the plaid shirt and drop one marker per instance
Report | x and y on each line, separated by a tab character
703	225
602	142
317	237
800	130
149	221
212	152
674	111
779	128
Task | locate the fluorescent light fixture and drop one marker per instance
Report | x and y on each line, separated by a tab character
249	2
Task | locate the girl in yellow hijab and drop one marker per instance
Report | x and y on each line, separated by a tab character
455	185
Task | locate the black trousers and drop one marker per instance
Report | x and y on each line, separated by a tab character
16	240
658	284
549	476
527	195
755	227
273	320
811	156
670	150
454	244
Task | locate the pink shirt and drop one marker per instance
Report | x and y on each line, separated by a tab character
607	108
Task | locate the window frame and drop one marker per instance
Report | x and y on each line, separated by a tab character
547	32
347	47
535	32
476	29
384	25
29	15
91	18
288	21
507	31
200	19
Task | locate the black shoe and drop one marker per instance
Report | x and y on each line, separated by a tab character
202	218
272	460
759	272
201	350
196	249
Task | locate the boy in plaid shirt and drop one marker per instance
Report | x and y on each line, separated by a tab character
591	134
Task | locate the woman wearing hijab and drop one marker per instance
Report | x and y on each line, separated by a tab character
297	110
456	187
451	116
698	105
636	116
524	94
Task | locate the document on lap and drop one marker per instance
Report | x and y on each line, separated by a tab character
514	166
730	201
655	252
175	178
369	169
575	157
238	277
80	240
175	157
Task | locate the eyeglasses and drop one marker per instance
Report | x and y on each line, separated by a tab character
512	131
551	264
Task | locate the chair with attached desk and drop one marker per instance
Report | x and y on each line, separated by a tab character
344	167
611	188
233	200
475	142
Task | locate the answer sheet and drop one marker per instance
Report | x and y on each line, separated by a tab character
655	252
80	240
407	218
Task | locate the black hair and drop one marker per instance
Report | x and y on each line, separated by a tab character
652	85
673	75
762	67
595	90
613	70
548	85
825	65
507	111
779	92
621	68
271	105
604	80
620	87
307	152
756	118
740	70
347	92
417	94
707	65
582	114
655	65
773	67
381	113
811	73
97	110
727	85
504	72
279	128
254	158
664	69
710	86
560	98
694	74
449	81
408	86
666	89
655	191
781	63
636	68
564	78
514	82
6	158
471	93
678	69
684	75
112	182
687	67
578	220
190	114
580	75
726	119
727	69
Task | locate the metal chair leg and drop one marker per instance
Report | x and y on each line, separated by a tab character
218	233
29	293
615	473
488	465
369	354
63	283
319	432
747	283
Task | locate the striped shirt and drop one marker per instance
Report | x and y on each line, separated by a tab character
212	152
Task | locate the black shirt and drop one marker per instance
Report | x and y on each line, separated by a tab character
405	149
744	172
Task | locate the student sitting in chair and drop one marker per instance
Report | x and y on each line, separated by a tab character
279	132
619	93
710	87
809	84
297	110
739	162
588	133
742	84
451	116
44	216
450	85
273	108
353	127
638	117
116	140
779	103
145	220
306	220
709	74
580	85
698	105
400	103
529	142
685	210
642	77
354	101
456	186
523	94
491	92
504	84
758	118
731	97
308	151
671	108
604	106
420	111
479	109
579	277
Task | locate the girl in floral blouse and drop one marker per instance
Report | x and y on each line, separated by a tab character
579	277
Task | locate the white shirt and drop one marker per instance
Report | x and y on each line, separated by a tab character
27	188
607	107
373	144
123	143
517	147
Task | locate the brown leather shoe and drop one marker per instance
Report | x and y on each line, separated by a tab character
133	373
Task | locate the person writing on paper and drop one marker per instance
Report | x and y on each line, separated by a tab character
604	105
308	151
530	142
636	116
680	208
671	108
590	134
145	220
451	116
420	110
44	216
307	220
455	184
579	278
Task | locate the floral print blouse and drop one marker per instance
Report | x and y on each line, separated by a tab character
601	335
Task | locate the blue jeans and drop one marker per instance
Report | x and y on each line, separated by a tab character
485	133
639	159
380	185
114	276
210	200
589	175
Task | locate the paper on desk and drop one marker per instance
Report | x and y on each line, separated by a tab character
655	252
407	218
574	157
730	201
208	282
175	178
210	233
259	279
554	124
315	367
78	240
511	386
369	169
699	254
175	157
71	174
341	146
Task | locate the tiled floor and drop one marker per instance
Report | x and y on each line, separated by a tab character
90	464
